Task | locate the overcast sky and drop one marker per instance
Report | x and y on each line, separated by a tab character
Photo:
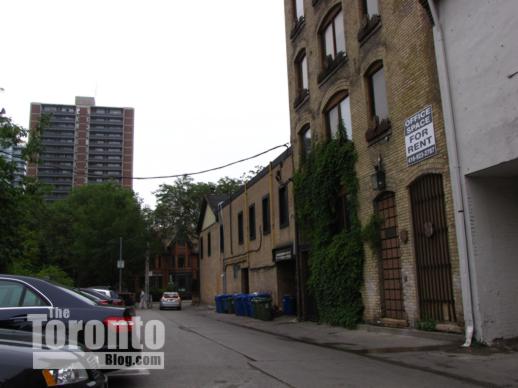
207	79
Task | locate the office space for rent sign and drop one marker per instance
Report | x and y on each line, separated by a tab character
420	136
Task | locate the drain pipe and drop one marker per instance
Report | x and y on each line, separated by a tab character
456	175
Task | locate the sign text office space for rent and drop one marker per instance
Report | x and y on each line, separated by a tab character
419	136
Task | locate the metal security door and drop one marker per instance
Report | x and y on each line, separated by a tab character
390	264
431	249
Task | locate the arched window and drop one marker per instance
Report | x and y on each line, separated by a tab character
301	66
301	72
333	34
378	103
305	140
377	91
338	111
298	6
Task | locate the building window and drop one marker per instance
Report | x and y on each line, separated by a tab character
333	35
283	207
370	20
338	111
171	262
298	16
301	71
370	8
240	234
221	239
181	261
380	123
378	94
305	141
209	245
251	222
299	9
266	214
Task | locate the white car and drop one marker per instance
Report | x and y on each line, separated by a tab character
170	300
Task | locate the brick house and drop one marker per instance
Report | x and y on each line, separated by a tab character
372	65
247	238
176	265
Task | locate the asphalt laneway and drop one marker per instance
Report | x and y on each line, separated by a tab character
203	352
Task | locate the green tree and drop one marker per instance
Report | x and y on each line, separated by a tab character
21	207
178	205
83	233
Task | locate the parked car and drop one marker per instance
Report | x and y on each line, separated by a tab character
16	365
109	293
184	294
170	300
128	298
23	295
100	297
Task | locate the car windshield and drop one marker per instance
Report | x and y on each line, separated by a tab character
170	295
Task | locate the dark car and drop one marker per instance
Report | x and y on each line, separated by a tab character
16	365
22	295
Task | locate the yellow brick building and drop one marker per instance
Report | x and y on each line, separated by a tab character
247	238
371	64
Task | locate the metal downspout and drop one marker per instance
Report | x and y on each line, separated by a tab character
456	175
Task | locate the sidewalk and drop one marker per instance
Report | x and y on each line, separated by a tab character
434	352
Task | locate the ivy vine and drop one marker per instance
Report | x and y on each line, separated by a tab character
372	233
336	256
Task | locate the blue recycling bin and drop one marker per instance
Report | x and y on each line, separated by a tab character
239	304
289	305
216	302
219	304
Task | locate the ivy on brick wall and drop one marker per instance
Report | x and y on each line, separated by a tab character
336	254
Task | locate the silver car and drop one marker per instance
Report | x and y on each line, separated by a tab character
170	300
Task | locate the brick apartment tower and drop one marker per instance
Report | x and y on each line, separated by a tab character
83	144
371	63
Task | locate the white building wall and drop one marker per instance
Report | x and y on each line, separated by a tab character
494	210
481	50
482	57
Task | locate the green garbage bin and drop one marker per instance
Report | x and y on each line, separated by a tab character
262	308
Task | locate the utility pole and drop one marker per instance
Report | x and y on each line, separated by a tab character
146	277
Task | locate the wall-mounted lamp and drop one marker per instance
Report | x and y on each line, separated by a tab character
278	176
378	178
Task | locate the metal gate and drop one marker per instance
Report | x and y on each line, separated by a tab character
431	249
390	264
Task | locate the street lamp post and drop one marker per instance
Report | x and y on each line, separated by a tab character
120	264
